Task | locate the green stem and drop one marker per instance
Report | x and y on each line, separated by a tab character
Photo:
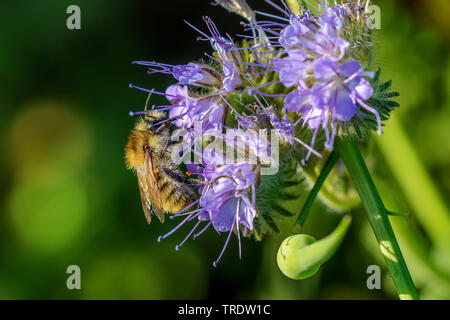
331	161
378	218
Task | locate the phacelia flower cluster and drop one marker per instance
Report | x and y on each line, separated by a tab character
293	72
314	58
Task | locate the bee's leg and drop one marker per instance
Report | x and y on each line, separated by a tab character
162	127
196	181
175	175
170	144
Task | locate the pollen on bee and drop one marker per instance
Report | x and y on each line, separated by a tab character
188	173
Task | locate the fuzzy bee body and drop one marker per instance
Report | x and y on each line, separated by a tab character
162	186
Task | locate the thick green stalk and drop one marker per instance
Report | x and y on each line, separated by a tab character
378	218
331	161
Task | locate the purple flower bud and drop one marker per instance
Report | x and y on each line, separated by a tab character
188	74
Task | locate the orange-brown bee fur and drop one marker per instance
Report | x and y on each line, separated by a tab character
162	186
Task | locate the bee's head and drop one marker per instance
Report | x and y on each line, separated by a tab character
155	119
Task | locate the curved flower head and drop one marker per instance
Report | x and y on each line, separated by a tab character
316	57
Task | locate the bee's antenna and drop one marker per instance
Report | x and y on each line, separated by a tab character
148	99
132	113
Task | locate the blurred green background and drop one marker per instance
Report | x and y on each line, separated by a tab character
66	197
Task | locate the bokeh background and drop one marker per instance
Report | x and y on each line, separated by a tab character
66	197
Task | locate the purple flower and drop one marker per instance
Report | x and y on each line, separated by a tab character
301	100
228	56
346	85
227	201
181	102
293	68
185	110
328	44
189	74
330	88
311	55
267	118
230	198
195	74
232	80
338	93
319	38
299	29
228	189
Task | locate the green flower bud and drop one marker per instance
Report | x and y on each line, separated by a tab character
300	256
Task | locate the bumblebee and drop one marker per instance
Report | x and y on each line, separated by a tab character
162	186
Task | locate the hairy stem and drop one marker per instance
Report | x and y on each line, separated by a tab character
332	159
378	218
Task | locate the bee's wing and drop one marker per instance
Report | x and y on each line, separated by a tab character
153	182
150	194
146	204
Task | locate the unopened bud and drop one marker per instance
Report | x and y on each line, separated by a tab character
300	256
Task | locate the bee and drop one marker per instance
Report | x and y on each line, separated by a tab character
162	186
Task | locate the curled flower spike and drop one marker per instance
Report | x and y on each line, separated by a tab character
316	59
